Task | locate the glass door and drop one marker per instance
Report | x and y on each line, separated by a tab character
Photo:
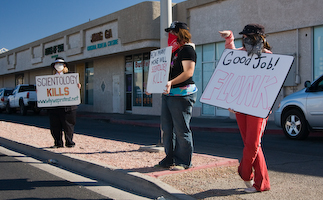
128	72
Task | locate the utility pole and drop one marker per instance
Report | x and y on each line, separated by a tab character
165	20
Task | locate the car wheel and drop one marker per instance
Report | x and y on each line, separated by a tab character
8	109
37	110
23	109
295	125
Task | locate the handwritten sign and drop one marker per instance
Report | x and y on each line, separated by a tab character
247	84
159	70
58	90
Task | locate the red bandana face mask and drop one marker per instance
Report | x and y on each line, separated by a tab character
172	41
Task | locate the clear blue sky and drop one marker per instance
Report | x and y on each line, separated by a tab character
25	21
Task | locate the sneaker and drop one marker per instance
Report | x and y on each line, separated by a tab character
178	168
70	145
250	190
249	184
161	166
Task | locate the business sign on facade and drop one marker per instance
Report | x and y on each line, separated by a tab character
58	90
247	84
159	70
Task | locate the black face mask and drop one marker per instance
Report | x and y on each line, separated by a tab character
253	46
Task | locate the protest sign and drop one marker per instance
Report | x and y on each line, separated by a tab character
247	84
58	90
159	70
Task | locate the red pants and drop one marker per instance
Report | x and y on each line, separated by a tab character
251	129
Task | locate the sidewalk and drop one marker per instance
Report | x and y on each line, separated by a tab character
147	184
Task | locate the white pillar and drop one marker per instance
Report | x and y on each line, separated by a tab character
165	20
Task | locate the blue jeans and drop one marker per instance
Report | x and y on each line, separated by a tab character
177	136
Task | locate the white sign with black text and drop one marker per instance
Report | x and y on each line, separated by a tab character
159	70
247	84
58	90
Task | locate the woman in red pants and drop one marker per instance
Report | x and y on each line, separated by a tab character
252	168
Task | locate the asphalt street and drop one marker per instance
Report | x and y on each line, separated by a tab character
23	177
20	180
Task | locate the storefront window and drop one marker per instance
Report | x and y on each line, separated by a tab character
89	73
207	58
19	79
137	80
137	68
129	70
318	52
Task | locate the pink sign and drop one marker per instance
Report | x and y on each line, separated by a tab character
247	84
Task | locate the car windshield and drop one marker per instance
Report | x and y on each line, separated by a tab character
27	88
7	92
317	85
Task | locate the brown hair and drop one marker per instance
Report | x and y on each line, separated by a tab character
65	70
266	44
184	36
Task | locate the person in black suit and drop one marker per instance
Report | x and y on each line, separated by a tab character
62	118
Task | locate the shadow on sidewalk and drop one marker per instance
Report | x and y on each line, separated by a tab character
218	193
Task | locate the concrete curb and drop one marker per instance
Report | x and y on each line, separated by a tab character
133	182
193	127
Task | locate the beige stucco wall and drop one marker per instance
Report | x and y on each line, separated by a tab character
7	81
207	17
289	24
136	27
104	70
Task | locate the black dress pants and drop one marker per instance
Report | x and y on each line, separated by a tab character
62	120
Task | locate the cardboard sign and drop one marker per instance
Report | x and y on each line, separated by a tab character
247	84
159	70
58	90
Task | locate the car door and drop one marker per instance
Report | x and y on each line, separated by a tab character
314	104
12	98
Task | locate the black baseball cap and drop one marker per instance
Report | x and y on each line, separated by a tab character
176	25
252	29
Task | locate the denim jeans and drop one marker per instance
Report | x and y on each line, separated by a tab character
177	136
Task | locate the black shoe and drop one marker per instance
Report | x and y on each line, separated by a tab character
165	163
70	145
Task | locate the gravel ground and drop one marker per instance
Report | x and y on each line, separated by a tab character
124	156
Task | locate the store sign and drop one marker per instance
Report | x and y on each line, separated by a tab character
58	90
99	36
102	45
247	84
95	37
54	49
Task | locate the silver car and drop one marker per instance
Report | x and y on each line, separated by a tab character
302	111
4	93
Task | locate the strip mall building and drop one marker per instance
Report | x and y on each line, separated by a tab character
111	54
